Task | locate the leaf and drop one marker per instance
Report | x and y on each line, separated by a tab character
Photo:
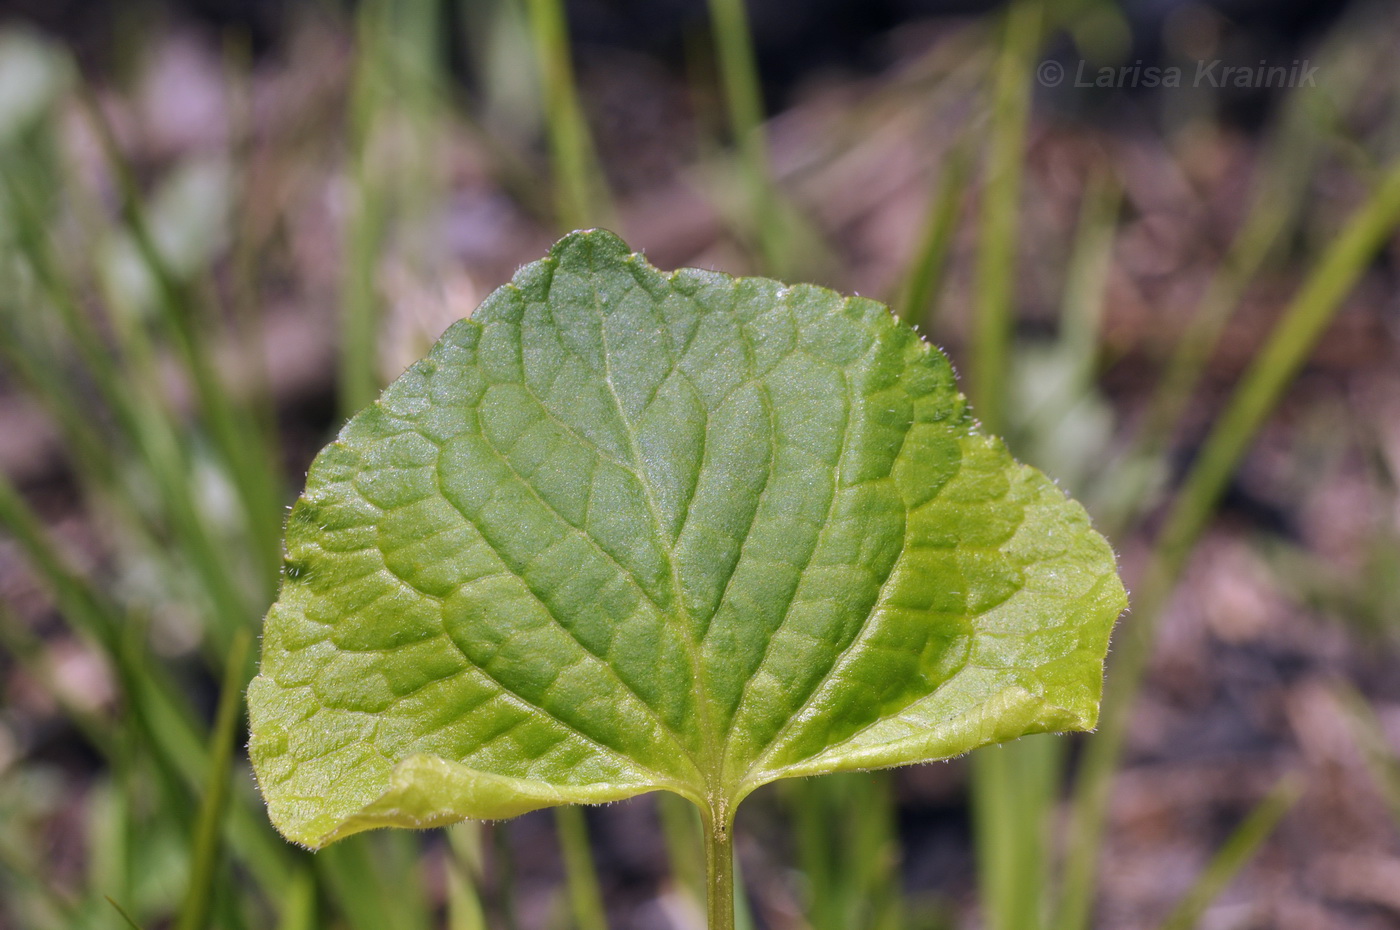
624	531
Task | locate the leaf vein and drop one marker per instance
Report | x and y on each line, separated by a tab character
549	611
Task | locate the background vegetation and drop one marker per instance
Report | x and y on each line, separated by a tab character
217	238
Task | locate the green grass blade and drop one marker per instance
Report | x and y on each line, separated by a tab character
1287	348
875	851
76	601
1060	421
142	426
205	849
37	250
465	910
396	130
27	652
1086	281
153	702
743	97
818	849
1001	197
233	430
126	918
358	380
926	273
680	827
21	875
36	372
1306	130
112	822
297	907
581	194
170	734
375	882
502	900
1013	793
1012	787
244	258
585	896
847	850
743	909
743	93
1380	759
1237	852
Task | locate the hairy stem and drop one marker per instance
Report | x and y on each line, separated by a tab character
719	867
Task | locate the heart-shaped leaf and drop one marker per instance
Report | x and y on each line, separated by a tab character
625	530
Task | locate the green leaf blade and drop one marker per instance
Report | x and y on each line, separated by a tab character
1006	637
623	531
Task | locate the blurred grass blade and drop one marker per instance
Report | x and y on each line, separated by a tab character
743	98
1060	421
1380	759
1013	796
465	910
358	380
373	878
115	822
743	910
992	326
1304	134
398	125
124	915
93	618
250	333
1012	786
234	431
1292	152
297	906
143	427
502	900
819	848
1086	281
161	716
27	651
1237	852
585	897
205	848
581	194
680	828
36	248
847	850
1287	348
75	599
925	275
21	875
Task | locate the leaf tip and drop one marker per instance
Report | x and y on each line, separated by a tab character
586	248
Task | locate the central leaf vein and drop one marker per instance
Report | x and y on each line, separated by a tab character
696	669
846	401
